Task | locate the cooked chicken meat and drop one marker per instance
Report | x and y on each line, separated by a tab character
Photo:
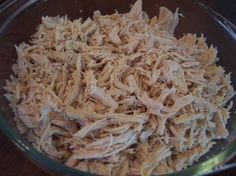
119	94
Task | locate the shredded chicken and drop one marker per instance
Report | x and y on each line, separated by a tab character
119	94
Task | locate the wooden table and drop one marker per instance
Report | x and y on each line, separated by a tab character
14	163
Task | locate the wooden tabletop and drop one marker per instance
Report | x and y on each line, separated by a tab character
14	163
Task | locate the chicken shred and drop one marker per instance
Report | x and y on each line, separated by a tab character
119	94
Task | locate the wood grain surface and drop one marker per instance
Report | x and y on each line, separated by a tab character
14	163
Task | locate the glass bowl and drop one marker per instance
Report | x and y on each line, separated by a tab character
19	19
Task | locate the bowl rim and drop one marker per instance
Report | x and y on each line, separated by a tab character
213	164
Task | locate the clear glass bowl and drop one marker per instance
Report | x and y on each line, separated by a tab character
19	18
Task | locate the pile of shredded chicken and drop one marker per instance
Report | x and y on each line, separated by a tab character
119	94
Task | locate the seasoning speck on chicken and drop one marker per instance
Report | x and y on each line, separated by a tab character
119	94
